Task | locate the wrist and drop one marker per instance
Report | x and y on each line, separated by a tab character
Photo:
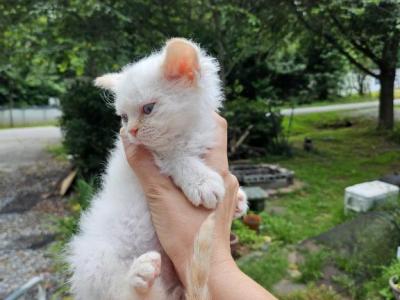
221	270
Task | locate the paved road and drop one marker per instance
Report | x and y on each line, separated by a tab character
334	107
25	146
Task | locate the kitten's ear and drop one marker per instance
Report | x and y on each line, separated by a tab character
107	81
181	60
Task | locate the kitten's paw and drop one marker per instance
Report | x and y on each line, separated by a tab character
206	189
144	270
242	205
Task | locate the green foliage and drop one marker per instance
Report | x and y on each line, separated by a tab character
246	235
89	125
68	226
378	288
279	228
311	268
395	135
64	40
313	292
268	268
366	32
263	123
58	151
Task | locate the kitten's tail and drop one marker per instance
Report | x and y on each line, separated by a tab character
199	266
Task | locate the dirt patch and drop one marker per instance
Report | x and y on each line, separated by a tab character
337	124
26	187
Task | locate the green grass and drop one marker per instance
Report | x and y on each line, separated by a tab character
36	124
268	268
313	293
311	268
346	99
58	151
342	157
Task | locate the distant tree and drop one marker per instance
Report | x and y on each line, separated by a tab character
362	30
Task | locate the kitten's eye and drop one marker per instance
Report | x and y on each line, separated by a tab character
148	108
124	118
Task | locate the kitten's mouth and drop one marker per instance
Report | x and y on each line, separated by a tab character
134	141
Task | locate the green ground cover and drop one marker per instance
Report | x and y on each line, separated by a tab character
35	124
342	156
374	96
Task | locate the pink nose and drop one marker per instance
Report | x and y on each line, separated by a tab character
134	131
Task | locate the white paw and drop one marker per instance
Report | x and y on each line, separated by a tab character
144	270
206	189
242	205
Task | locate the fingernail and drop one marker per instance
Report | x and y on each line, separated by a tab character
122	131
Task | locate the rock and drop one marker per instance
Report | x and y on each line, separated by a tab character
372	237
359	248
21	202
34	241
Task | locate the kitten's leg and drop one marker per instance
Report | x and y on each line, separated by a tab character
144	271
99	273
201	184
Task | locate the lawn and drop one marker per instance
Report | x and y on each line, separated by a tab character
343	156
374	96
35	124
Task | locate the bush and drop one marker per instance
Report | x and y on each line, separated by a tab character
379	288
89	125
258	125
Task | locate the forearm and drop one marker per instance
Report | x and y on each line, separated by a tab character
227	281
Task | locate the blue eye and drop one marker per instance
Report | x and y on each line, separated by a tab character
148	108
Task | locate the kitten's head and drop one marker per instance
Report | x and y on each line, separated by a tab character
166	94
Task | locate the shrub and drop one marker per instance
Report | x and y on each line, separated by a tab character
262	124
89	125
379	288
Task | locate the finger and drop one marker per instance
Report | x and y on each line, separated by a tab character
232	187
217	156
142	162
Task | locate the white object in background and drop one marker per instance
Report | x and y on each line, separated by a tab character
362	197
398	252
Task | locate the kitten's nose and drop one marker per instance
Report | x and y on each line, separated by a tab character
134	131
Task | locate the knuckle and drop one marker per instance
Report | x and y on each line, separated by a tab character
222	122
225	173
153	190
233	182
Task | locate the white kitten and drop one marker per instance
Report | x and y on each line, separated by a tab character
165	102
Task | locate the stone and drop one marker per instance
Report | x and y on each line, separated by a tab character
367	242
34	241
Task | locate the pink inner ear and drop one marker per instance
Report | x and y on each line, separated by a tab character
181	61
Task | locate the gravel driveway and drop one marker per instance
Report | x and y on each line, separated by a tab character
29	201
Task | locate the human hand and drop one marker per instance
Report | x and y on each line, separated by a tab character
175	219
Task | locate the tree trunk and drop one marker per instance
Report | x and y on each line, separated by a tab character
386	96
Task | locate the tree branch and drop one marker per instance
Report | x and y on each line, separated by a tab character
330	39
362	48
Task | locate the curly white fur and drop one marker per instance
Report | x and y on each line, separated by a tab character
116	254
